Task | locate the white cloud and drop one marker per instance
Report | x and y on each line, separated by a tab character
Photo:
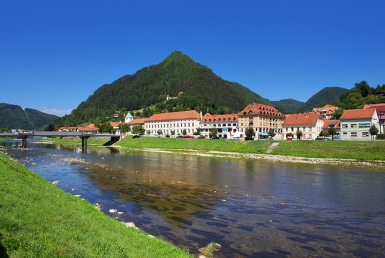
56	112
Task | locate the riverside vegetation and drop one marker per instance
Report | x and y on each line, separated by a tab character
37	219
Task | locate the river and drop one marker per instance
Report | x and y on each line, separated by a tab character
252	208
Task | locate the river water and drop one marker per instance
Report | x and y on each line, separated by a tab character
253	208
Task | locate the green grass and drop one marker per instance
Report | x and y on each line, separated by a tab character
39	220
196	144
359	150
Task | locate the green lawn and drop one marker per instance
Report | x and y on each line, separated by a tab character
360	150
37	219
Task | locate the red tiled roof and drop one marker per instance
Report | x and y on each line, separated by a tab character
328	121
301	119
380	106
256	108
114	124
138	121
357	114
327	107
192	114
220	118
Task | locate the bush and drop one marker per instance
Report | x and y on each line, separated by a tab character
380	136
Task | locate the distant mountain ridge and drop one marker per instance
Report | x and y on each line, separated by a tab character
325	96
14	117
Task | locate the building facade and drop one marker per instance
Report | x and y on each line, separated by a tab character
226	125
355	124
173	121
380	109
326	111
310	124
261	118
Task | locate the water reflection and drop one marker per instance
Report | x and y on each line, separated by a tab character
252	208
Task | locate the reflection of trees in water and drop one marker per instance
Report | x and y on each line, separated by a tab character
174	200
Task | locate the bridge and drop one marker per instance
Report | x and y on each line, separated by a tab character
84	136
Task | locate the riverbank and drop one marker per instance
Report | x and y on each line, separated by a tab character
357	153
39	220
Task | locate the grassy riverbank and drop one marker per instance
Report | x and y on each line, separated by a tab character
39	220
358	150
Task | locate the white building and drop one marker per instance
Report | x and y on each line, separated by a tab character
355	124
173	121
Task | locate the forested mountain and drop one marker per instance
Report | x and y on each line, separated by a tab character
360	95
323	97
147	89
287	106
14	117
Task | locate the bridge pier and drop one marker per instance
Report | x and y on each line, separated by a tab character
24	141
84	143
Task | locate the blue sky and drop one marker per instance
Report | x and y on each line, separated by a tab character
55	54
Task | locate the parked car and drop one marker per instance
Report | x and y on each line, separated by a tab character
188	136
202	137
289	138
179	136
136	136
215	137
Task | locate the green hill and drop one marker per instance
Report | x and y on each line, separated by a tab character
14	117
147	89
323	97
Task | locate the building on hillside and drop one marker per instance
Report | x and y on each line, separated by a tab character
68	129
173	121
115	126
355	124
328	123
380	108
261	118
310	124
227	125
326	111
128	118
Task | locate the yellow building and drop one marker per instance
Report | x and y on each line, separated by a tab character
261	118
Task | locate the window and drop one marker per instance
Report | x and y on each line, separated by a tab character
344	125
310	128
304	129
353	134
353	126
365	134
364	125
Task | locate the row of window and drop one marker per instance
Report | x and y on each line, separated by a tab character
224	125
224	120
169	125
360	125
354	134
310	129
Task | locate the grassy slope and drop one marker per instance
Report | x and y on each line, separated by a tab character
316	149
360	150
39	220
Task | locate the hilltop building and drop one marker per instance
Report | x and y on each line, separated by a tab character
326	111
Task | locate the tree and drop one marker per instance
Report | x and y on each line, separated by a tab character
338	113
213	131
332	131
159	131
124	128
184	132
289	135
250	133
271	133
105	128
373	130
172	132
138	129
299	134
